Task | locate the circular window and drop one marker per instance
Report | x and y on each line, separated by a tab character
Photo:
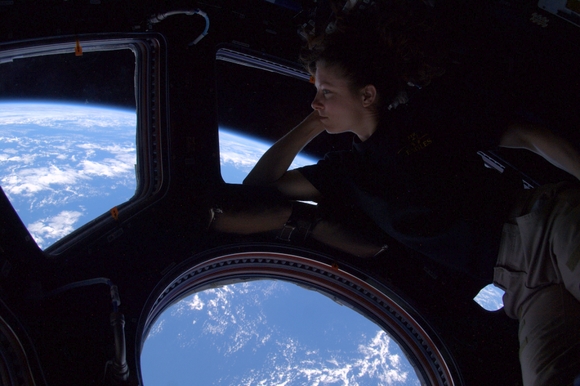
215	282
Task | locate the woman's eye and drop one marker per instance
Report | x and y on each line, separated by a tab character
325	92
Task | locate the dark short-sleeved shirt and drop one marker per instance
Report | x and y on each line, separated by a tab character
419	179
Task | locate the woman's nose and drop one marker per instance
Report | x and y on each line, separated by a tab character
316	105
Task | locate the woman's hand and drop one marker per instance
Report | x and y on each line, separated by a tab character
313	122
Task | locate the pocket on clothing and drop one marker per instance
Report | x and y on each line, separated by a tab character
510	246
512	269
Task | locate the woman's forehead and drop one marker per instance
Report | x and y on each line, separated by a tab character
329	75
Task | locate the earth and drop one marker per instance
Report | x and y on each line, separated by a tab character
269	333
62	165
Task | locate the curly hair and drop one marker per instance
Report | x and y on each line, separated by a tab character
389	44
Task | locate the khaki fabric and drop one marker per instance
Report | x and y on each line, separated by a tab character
549	338
539	268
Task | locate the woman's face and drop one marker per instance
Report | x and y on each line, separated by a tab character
341	110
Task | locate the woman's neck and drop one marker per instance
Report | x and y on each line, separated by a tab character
367	128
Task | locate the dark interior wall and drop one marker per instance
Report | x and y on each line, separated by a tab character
535	64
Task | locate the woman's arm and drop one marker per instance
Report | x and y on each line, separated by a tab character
346	239
543	142
272	168
273	219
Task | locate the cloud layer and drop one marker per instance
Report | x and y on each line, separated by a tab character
490	298
241	325
61	165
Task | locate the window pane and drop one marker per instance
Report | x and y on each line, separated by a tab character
67	141
490	298
269	333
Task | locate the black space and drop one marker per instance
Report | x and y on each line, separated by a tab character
105	78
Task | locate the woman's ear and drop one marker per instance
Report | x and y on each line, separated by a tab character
368	95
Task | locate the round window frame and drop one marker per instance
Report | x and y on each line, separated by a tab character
425	351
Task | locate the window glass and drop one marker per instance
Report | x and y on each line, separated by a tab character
67	138
490	298
269	332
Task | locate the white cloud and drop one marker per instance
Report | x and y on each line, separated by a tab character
240	157
54	228
377	361
107	168
52	155
114	148
47	174
157	328
223	316
296	364
30	181
22	158
490	298
241	328
122	163
195	303
64	116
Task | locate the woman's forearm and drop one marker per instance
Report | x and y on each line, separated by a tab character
346	239
276	161
247	221
271	219
543	142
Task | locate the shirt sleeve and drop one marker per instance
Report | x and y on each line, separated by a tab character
326	175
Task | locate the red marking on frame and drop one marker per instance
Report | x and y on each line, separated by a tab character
78	48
